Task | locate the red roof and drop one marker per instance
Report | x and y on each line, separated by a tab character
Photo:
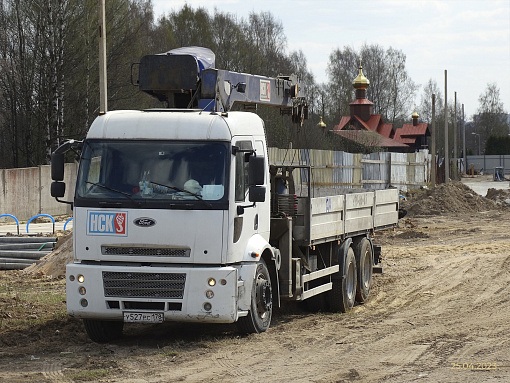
407	140
373	122
385	130
362	123
361	101
411	130
369	138
343	123
363	131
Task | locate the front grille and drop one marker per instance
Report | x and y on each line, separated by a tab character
144	285
145	251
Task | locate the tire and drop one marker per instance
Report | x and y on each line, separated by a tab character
261	311
342	296
101	331
364	264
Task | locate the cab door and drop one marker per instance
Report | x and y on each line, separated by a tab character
244	221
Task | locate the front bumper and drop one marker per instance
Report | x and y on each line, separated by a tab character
181	293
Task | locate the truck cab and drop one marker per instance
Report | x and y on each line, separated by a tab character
166	194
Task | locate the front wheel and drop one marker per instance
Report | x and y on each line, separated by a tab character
259	317
102	331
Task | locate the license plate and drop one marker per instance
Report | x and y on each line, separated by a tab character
143	317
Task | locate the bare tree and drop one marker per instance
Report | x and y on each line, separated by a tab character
491	118
342	69
268	43
391	90
425	107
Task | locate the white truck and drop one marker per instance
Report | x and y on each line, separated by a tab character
178	215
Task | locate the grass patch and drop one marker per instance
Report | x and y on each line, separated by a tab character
27	301
87	375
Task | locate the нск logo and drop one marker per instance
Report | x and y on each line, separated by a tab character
106	223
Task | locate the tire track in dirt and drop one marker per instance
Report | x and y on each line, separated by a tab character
427	309
53	372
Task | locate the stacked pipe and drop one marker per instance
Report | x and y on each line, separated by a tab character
17	253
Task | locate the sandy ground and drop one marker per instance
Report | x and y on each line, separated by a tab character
439	313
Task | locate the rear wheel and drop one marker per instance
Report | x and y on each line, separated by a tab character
259	317
364	264
343	293
102	331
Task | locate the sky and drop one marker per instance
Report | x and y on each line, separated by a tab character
468	38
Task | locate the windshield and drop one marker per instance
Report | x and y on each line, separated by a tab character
151	172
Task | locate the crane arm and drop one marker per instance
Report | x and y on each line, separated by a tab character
181	82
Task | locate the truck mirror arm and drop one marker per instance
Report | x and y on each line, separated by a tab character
66	202
240	209
248	152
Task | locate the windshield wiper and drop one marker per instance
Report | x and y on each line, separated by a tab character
127	195
197	196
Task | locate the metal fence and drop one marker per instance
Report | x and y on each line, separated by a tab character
487	164
354	170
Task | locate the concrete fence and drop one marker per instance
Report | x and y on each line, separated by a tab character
26	191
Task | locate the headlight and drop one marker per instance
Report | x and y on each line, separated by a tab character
211	282
81	278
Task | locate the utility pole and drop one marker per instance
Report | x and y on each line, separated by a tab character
103	97
464	141
446	150
455	139
433	143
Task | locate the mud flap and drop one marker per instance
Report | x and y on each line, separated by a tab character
377	269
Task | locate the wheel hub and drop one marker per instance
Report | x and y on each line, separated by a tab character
264	296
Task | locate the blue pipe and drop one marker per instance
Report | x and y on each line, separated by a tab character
13	217
42	215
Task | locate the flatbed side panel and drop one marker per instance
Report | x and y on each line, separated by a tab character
327	217
386	208
359	209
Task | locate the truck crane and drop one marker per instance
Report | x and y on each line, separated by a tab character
178	215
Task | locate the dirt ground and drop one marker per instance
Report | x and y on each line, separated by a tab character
440	312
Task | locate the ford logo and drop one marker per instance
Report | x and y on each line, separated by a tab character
144	222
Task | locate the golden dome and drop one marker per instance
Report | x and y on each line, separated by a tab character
415	115
361	82
321	123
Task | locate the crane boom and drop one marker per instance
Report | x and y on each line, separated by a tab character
181	81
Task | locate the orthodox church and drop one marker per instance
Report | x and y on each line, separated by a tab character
368	129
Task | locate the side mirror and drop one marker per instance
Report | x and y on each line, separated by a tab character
256	170
58	189
257	193
57	166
